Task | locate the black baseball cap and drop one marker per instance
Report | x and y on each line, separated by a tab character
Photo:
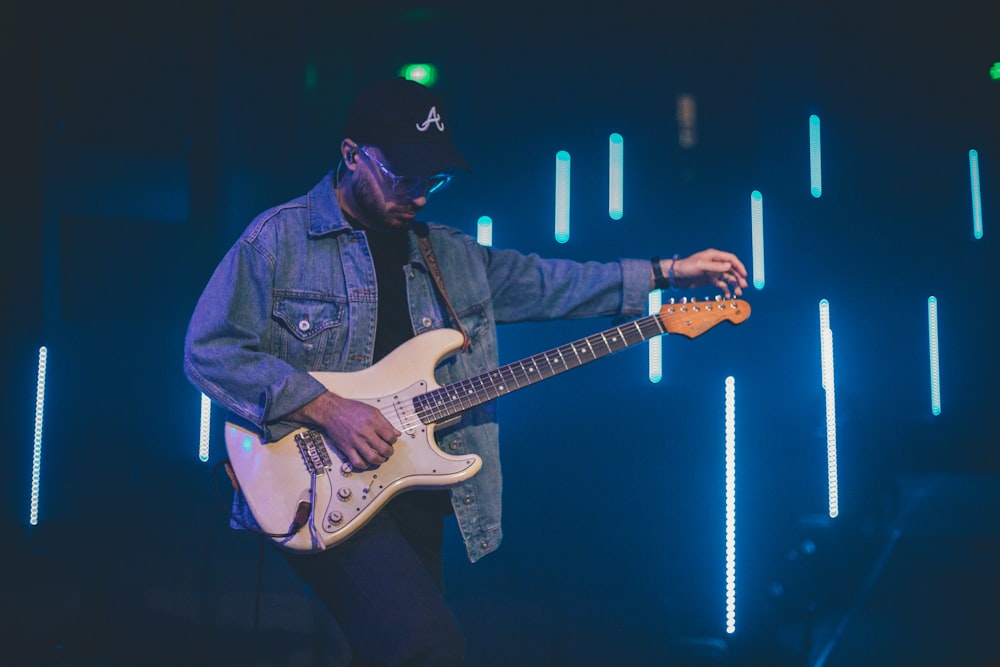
408	123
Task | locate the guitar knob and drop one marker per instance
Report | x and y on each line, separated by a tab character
333	521
346	468
344	493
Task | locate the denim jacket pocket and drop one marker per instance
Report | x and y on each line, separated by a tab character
308	327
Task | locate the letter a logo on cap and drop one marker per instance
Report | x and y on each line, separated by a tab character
432	117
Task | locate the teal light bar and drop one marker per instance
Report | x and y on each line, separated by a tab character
730	505
932	333
815	161
757	234
977	202
615	174
562	196
655	343
205	432
36	457
484	230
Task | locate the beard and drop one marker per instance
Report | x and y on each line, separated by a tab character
375	212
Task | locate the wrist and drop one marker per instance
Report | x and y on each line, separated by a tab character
312	413
661	281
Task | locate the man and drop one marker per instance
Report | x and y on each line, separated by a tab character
334	281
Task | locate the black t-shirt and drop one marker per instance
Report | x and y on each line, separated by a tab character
418	513
390	253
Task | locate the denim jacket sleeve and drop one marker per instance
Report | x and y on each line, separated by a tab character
529	288
225	355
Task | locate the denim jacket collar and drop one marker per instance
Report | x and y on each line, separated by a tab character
325	215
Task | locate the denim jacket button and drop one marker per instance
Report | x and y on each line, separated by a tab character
427	321
304	325
483	544
467	500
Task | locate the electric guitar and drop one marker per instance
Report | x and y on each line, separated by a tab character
307	497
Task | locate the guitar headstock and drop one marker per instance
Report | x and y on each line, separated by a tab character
693	318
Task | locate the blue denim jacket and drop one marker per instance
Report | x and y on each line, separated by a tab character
297	293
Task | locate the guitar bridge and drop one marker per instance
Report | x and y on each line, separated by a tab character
314	453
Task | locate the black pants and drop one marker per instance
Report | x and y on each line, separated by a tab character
383	585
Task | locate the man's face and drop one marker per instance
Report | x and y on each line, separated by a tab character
381	203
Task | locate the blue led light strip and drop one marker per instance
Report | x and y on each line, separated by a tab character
815	158
615	176
484	231
977	202
36	457
562	196
730	505
757	234
655	344
932	334
205	432
829	386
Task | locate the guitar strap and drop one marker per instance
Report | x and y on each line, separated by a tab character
424	239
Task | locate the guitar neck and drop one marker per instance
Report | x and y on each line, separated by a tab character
450	400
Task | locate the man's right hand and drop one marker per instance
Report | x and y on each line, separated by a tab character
358	430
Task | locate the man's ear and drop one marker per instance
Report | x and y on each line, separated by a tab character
349	152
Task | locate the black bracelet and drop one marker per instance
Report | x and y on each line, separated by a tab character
659	280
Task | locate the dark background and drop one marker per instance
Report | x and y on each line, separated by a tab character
143	137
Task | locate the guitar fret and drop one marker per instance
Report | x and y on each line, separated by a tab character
605	341
621	338
549	359
529	372
512	376
638	330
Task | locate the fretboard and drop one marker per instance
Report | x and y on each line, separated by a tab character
450	400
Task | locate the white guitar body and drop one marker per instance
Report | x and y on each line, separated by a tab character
278	478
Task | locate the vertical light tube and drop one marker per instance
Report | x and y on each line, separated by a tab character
932	327
824	324
815	158
757	234
484	231
829	386
36	457
730	505
977	202
205	433
562	196
615	176
655	343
